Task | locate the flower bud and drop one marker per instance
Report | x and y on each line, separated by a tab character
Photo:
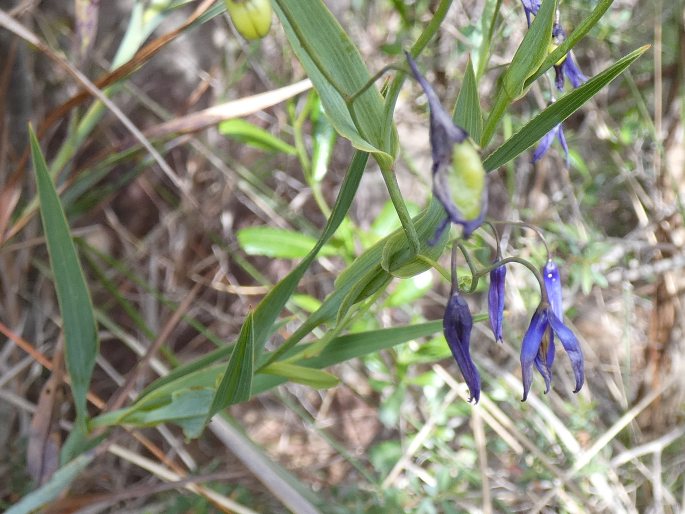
252	18
496	300
457	325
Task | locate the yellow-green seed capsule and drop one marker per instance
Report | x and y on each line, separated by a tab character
252	18
466	180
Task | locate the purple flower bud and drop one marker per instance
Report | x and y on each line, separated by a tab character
496	300
457	325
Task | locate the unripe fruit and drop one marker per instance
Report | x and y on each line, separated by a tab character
466	180
252	18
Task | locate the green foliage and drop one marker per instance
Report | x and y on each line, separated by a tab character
80	334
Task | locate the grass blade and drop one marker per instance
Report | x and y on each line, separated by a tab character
80	333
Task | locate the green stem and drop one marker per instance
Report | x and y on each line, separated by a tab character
401	208
472	267
477	273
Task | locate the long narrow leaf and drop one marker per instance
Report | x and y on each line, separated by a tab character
80	334
236	382
271	306
351	346
338	72
557	112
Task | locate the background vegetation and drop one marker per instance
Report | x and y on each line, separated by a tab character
180	240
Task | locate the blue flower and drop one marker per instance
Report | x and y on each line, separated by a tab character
496	300
457	325
459	179
566	67
546	142
545	357
543	325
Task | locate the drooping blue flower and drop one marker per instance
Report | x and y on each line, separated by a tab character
457	324
545	357
543	324
496	300
459	179
546	142
566	67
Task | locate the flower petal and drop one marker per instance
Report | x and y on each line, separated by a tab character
531	346
550	275
496	300
562	141
572	71
544	144
572	347
542	361
457	325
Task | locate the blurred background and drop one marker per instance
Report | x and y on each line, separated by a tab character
173	256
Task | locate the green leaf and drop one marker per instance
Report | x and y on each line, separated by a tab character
252	135
80	333
271	306
571	40
338	73
557	112
160	397
236	382
351	346
467	113
302	375
527	59
387	221
188	408
278	243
